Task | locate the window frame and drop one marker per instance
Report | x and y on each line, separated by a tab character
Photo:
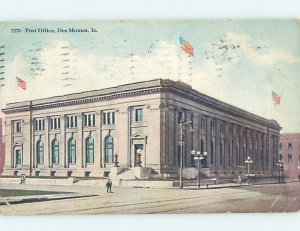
139	117
72	151
72	121
106	149
290	158
39	124
55	151
90	150
18	129
40	152
108	117
19	161
89	119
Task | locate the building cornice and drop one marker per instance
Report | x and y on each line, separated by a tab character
137	89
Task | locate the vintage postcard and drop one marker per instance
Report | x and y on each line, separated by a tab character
149	116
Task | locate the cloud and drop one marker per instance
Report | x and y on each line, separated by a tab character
255	53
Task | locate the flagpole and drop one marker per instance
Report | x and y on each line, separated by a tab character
178	59
15	89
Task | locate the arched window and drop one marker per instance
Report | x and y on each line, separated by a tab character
55	151
89	150
39	152
109	149
72	151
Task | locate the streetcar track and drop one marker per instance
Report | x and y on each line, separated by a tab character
124	206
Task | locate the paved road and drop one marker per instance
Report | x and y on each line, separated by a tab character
259	198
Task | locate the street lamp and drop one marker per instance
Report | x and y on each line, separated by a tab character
116	160
281	167
248	162
181	125
139	154
198	157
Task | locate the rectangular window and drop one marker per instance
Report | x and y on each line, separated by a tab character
231	130
203	123
18	127
89	120
104	117
290	158
222	128
39	124
18	156
180	117
108	117
212	126
113	117
192	123
55	123
71	121
280	157
139	115
290	146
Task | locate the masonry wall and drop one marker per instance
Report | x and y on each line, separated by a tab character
126	134
228	149
290	154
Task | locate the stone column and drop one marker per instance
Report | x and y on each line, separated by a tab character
79	141
9	149
46	145
208	142
97	140
164	122
172	141
217	143
62	143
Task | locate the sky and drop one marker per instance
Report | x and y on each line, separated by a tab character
239	62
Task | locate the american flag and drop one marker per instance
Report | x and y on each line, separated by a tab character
21	83
276	98
186	46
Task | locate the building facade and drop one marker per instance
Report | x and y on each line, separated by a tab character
153	124
2	148
290	154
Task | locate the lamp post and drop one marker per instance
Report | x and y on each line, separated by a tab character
280	170
198	157
181	125
116	160
248	162
139	154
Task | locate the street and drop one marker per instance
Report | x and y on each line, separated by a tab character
266	198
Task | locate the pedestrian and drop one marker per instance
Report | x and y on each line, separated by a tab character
23	178
299	178
239	180
108	185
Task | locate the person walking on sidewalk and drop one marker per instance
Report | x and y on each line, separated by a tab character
108	185
23	179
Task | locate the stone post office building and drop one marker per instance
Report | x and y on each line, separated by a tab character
79	134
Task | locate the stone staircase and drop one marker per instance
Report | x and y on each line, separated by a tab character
125	174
